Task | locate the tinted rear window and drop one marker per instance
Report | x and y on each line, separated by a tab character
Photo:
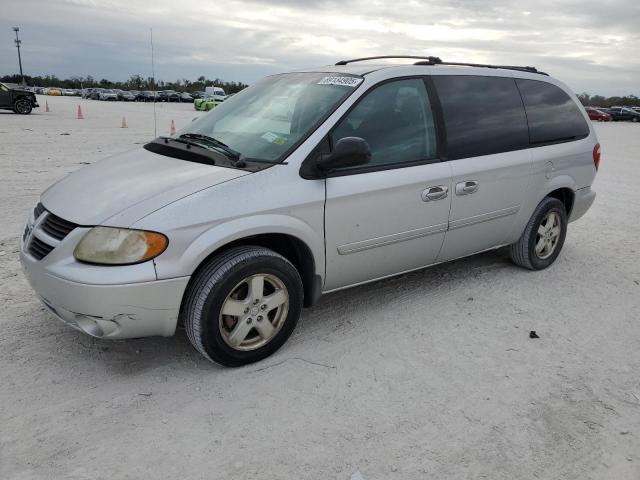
483	115
552	115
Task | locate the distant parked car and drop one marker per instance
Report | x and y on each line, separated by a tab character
147	96
126	96
168	96
54	91
186	97
624	114
109	95
67	92
17	99
95	94
595	114
208	102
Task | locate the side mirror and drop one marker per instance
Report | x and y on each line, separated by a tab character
347	152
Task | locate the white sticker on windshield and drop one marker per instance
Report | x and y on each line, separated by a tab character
344	81
274	138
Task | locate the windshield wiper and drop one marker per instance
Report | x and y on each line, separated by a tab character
233	154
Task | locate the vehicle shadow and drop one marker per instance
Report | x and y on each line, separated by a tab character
134	356
10	112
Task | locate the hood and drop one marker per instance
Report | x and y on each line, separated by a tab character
21	90
120	190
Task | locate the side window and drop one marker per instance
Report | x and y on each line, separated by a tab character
553	116
396	121
482	115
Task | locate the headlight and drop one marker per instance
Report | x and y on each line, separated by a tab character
119	246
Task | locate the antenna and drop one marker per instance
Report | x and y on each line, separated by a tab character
153	90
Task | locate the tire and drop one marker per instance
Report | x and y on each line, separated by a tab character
524	252
22	106
222	338
634	119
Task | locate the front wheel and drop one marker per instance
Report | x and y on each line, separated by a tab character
543	237
242	305
22	106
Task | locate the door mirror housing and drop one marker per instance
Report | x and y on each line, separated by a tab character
347	152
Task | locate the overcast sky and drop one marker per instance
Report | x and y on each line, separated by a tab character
593	45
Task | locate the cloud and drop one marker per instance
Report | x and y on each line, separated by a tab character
588	45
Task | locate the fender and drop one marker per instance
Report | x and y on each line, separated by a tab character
530	204
560	181
229	231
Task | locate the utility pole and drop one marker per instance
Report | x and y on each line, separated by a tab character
18	42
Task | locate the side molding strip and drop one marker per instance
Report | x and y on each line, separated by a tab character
465	222
389	239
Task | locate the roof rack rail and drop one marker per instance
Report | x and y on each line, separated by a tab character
437	61
433	60
483	65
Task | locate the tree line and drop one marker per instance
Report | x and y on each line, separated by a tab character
135	82
600	101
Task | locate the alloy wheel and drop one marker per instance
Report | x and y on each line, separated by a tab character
23	107
254	312
548	235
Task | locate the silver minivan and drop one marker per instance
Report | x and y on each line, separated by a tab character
306	183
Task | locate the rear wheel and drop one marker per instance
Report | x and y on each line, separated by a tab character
543	238
243	305
22	106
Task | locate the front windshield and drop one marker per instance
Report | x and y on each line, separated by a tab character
264	121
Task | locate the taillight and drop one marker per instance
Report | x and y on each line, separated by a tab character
596	155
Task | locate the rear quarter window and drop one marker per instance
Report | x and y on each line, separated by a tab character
482	115
553	116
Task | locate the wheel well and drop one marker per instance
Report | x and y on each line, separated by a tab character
565	195
293	249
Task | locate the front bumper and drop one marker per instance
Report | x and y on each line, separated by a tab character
104	302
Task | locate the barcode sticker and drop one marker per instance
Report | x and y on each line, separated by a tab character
344	81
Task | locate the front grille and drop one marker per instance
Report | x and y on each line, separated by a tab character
38	249
39	210
57	227
46	222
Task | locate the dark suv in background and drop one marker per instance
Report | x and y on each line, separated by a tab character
147	96
168	96
623	113
17	99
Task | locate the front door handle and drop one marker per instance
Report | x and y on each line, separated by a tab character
435	193
466	188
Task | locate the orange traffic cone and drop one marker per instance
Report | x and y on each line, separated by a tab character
46	107
124	123
80	116
173	128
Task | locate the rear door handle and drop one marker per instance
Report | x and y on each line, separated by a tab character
435	193
466	188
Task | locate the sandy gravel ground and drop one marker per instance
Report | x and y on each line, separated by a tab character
430	375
